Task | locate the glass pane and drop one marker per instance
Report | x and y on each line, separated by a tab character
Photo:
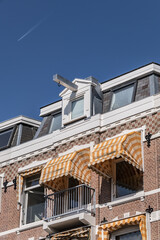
56	122
122	97
35	206
32	181
130	236
77	108
128	179
5	137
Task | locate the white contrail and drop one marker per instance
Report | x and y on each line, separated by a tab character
31	30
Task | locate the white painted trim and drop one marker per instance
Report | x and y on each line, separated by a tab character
1	184
78	80
156	135
31	225
155	216
157	190
2	177
75	119
9	184
148	226
97	123
9	232
20	119
129	198
135	74
23	228
32	165
77	148
124	230
50	108
141	129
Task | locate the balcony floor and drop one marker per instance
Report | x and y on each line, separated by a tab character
71	221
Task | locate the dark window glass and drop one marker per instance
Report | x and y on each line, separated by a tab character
56	122
32	181
122	97
128	179
130	236
5	137
35	205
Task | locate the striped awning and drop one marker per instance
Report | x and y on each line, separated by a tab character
105	229
57	170
127	146
22	175
81	233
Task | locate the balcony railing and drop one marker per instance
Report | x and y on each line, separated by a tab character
73	200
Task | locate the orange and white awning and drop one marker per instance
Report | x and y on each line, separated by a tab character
127	146
105	229
82	232
57	170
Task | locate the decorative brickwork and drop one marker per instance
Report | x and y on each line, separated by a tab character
9	217
152	123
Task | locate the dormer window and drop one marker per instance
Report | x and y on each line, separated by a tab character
77	108
5	138
122	96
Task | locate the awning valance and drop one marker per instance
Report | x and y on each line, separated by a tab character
127	146
57	170
105	229
82	232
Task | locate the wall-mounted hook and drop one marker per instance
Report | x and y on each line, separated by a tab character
5	186
148	138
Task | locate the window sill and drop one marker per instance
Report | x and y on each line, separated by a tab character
129	198
30	225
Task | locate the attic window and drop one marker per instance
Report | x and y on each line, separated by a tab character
5	138
122	97
56	122
77	108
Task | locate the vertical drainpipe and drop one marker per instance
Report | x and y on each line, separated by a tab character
148	225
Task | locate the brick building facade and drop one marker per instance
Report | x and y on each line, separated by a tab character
121	199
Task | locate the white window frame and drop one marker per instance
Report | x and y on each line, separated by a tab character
113	182
124	230
52	122
1	186
25	201
121	87
113	179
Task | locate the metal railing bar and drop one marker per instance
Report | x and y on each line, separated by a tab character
72	200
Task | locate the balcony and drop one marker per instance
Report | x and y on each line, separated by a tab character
71	207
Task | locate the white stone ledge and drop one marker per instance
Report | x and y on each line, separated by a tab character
22	228
129	198
97	123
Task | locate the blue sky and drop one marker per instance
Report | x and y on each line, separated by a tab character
74	38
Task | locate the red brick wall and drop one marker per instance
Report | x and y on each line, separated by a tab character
155	230
9	217
24	235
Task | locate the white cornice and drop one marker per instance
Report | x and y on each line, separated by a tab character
79	81
138	73
95	124
50	108
17	120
